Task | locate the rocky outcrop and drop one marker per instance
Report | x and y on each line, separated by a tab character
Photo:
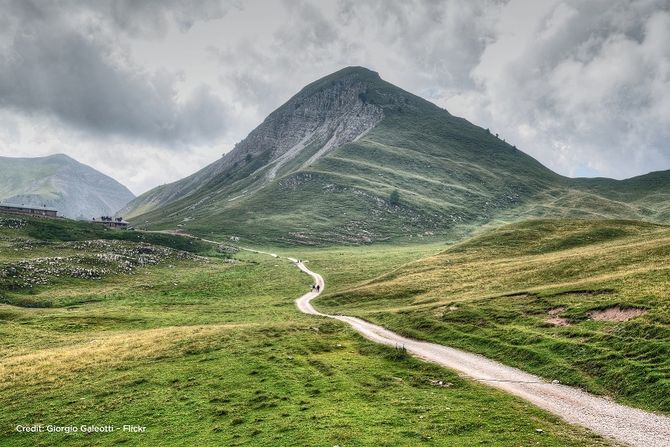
322	120
324	115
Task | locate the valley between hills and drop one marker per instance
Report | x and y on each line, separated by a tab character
418	221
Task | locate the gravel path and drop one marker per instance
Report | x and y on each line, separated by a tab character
624	424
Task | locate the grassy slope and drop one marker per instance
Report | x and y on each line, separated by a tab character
449	184
21	176
343	197
493	293
210	353
59	230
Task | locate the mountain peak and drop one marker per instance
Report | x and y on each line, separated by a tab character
62	158
352	71
357	69
349	77
59	156
328	113
360	78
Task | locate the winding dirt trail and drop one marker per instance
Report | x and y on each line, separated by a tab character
624	424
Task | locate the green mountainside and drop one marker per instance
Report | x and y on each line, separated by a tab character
323	168
58	181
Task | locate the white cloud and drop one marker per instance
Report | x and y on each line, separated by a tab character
75	68
580	85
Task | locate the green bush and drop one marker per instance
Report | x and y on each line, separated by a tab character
394	198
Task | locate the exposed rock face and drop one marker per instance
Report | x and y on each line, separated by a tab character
60	182
327	118
324	115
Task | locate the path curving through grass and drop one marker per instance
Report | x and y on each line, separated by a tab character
624	424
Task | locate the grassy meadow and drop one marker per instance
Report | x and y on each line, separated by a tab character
202	350
581	301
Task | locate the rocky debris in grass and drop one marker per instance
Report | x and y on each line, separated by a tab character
228	249
556	310
12	223
442	311
28	244
98	258
440	383
616	313
145	253
33	272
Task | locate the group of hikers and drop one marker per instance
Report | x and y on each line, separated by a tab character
314	286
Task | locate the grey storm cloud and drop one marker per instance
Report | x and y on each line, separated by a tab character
151	17
66	60
584	86
588	83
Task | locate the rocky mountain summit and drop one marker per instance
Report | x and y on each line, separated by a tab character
323	118
324	115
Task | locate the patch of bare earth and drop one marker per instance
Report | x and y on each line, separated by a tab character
616	313
555	319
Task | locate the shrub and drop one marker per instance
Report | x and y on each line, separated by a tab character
394	198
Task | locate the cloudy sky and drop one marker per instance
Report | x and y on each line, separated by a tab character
148	91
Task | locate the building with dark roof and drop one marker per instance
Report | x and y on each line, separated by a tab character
111	222
29	211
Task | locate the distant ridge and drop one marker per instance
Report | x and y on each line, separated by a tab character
60	182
